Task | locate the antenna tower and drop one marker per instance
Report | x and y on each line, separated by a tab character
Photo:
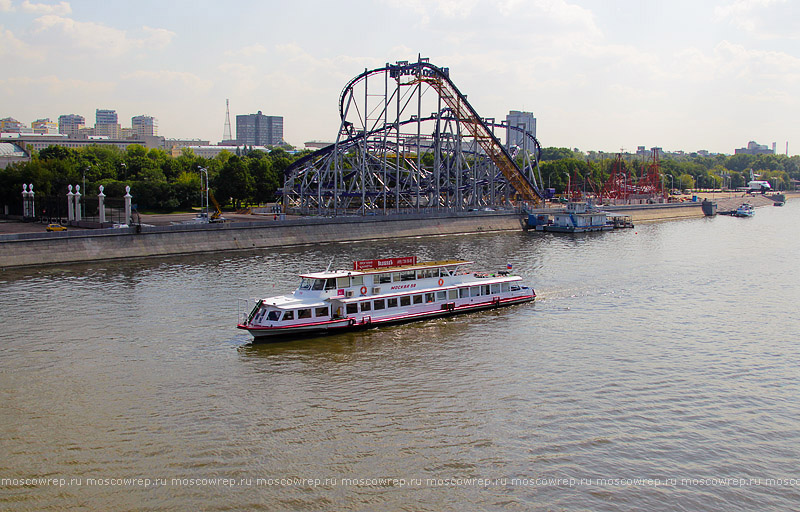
226	132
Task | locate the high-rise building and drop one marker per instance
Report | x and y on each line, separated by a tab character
523	120
754	148
44	126
144	126
106	123
259	130
10	125
71	124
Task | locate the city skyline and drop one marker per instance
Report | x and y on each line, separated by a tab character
597	75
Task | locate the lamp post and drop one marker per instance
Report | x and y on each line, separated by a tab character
671	184
625	188
125	170
203	170
83	203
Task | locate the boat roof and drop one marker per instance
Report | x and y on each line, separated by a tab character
415	266
394	293
290	301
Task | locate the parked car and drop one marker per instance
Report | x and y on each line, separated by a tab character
56	227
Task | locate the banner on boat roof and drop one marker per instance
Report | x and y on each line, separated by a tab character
383	263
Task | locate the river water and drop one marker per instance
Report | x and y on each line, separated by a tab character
658	369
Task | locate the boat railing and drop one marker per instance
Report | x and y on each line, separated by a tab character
246	309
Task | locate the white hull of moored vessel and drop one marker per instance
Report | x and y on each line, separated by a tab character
381	292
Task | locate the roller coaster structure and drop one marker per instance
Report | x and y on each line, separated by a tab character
390	158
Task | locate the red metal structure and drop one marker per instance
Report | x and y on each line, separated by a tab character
650	183
622	186
618	186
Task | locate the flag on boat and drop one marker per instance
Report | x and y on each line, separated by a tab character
508	266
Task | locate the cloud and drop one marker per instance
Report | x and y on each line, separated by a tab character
5	6
44	86
426	9
765	19
248	51
157	38
60	9
99	38
11	46
166	79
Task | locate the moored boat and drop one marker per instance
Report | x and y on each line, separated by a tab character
381	292
745	210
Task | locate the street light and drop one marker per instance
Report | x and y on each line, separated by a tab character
83	199
125	170
205	171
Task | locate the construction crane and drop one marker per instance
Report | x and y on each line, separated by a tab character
217	215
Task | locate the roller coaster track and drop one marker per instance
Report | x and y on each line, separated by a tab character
380	162
476	127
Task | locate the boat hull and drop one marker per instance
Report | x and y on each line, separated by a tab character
272	334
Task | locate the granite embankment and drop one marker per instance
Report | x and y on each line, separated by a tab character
27	249
40	248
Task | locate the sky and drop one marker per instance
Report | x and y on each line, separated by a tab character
599	75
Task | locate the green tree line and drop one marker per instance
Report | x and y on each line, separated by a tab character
157	180
562	166
161	182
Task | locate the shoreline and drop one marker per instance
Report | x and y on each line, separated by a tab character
37	248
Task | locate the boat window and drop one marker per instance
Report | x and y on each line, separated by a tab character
366	306
319	284
391	303
514	287
379	304
352	308
475	291
330	284
452	294
417	299
289	315
342	282
396	276
496	288
463	293
441	295
430	297
405	300
356	280
485	289
408	275
504	287
305	284
424	273
274	316
384	278
318	312
304	313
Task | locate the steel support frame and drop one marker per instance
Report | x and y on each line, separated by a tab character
389	158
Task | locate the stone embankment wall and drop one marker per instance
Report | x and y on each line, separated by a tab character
102	244
74	246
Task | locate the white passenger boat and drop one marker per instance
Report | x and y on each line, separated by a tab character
381	292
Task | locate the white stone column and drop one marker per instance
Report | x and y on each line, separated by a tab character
77	198
31	201
24	200
70	205
128	198
101	205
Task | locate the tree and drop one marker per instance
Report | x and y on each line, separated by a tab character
265	179
234	182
